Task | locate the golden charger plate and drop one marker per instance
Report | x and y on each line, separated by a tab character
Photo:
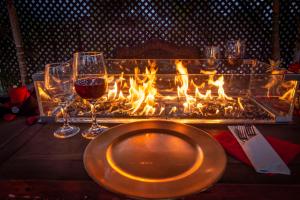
155	159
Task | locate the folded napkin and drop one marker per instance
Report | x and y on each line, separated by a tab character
286	150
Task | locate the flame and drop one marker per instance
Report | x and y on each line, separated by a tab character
43	94
86	103
113	93
272	82
173	110
200	107
208	72
182	80
228	109
141	91
288	95
240	103
121	96
137	95
207	95
169	97
162	109
202	85
219	83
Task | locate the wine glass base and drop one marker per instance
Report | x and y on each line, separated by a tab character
93	132
66	131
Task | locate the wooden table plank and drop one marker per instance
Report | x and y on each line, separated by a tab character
19	134
10	130
46	157
74	189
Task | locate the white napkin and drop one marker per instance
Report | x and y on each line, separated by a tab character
261	154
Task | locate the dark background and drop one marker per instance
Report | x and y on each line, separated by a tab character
52	30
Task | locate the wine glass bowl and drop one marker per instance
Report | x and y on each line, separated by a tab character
90	84
212	54
90	88
235	50
59	85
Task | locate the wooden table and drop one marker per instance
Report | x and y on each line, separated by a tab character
34	164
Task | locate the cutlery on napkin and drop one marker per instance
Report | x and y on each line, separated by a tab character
261	154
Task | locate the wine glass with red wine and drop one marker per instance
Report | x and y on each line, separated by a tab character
59	85
90	84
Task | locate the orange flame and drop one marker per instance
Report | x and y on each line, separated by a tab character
173	110
141	89
182	79
138	94
219	83
43	94
240	103
288	95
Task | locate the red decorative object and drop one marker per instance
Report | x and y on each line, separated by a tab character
18	95
21	102
286	150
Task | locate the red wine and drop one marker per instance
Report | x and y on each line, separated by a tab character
90	88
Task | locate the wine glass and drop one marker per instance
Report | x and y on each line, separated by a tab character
235	50
90	84
59	85
212	54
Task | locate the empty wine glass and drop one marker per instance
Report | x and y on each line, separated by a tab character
59	85
235	50
90	84
212	54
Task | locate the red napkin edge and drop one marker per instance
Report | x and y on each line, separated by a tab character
286	150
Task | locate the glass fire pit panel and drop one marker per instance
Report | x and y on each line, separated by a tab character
190	91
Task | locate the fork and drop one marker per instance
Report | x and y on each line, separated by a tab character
250	131
241	133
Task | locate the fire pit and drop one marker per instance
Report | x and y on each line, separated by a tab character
189	91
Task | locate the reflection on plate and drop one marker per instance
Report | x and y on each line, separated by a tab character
154	159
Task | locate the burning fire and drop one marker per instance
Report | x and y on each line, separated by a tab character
141	91
289	94
181	95
191	101
275	83
43	94
137	95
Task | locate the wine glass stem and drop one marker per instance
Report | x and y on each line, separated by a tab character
93	112
65	116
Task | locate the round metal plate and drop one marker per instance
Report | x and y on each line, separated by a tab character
155	159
